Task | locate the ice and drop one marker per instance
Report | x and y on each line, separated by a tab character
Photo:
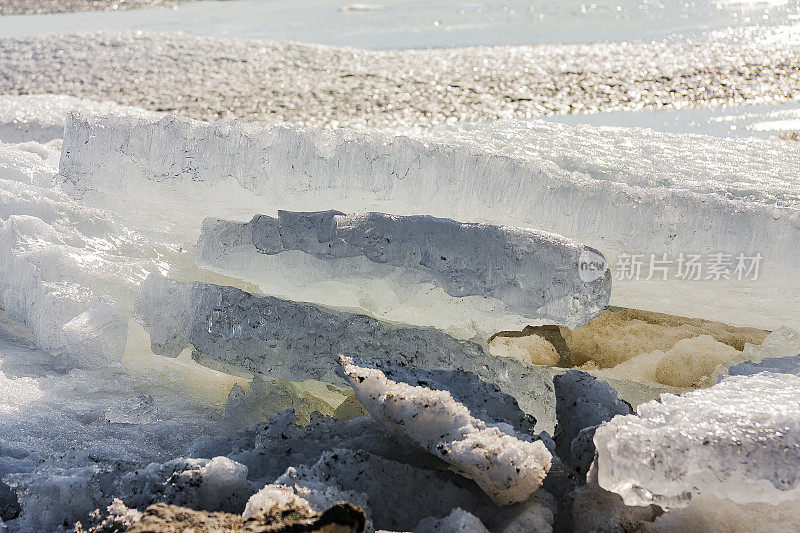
780	365
779	352
397	496
417	269
242	332
507	468
68	430
68	495
458	520
582	403
701	195
386	473
695	444
516	164
40	117
410	24
783	342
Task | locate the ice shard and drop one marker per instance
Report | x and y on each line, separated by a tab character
738	440
507	466
432	271
242	332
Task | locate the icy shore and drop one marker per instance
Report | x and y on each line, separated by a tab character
113	236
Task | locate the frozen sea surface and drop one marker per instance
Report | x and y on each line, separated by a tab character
419	24
741	121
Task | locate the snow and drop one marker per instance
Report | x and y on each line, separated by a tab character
693	444
436	272
505	467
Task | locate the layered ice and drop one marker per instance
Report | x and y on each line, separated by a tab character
692	193
243	332
700	196
738	440
504	464
417	269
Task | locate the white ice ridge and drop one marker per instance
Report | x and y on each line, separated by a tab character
242	332
507	467
528	274
622	190
739	439
40	117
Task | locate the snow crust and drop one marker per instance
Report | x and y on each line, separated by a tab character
693	444
507	468
490	277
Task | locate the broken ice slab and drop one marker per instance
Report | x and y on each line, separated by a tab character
396	496
464	278
739	439
777	365
505	464
241	332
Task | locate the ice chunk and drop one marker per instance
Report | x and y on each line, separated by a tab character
779	352
694	444
239	331
507	468
219	484
778	365
268	450
397	496
525	274
458	520
484	401
783	342
582	402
